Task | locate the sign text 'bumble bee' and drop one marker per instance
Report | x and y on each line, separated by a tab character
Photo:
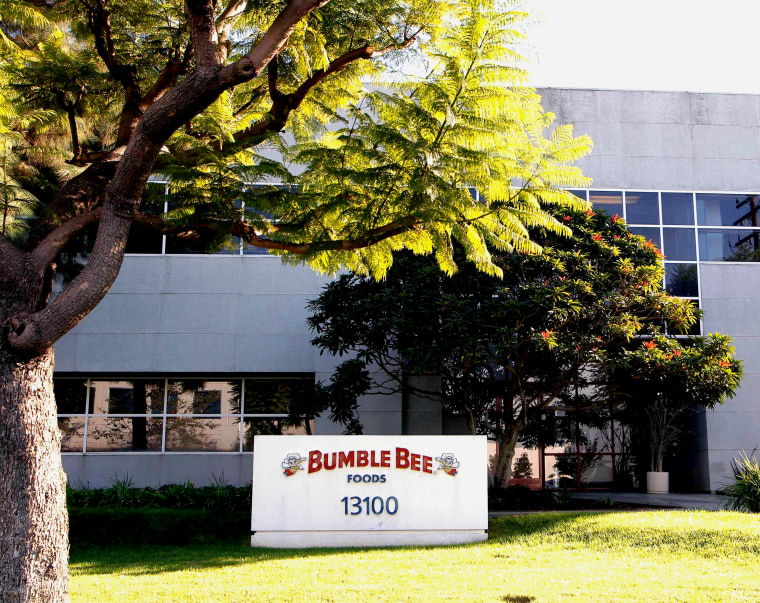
365	490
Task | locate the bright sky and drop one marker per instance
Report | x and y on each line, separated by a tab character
694	45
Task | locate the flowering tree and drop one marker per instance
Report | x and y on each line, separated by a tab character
504	347
666	378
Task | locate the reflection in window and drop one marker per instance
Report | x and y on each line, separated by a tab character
121	434
72	433
609	201
196	434
677	208
650	234
264	396
727	210
679	244
729	245
193	396
70	396
681	280
642	208
254	427
138	396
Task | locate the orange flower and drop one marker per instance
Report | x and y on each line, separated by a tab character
616	219
650	345
546	334
590	213
597	237
566	218
677	352
724	363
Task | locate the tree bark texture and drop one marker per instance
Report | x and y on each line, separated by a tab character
34	525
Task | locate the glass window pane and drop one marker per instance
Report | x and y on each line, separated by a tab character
269	396
72	433
650	234
136	396
525	468
679	244
609	201
70	395
642	208
194	434
727	210
558	431
729	245
194	396
596	437
681	280
561	471
596	471
254	427
115	434
143	239
677	208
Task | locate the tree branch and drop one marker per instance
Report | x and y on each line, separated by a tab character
52	244
168	76
274	40
203	33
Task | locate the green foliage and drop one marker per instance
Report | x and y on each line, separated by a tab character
122	494
666	378
744	493
551	332
372	159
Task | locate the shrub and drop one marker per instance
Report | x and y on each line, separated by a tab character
744	493
122	495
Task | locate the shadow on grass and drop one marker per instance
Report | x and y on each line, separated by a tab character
563	531
151	559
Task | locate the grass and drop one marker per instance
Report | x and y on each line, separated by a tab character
671	556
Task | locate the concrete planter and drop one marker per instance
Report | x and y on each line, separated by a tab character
658	482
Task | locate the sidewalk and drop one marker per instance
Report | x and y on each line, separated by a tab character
708	502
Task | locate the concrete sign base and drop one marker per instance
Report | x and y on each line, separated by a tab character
305	540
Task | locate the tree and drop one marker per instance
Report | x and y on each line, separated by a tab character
192	90
505	348
661	380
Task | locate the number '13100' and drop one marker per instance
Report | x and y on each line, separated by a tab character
375	505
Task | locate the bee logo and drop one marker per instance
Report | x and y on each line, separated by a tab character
292	463
448	462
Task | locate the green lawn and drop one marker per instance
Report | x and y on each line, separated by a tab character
649	556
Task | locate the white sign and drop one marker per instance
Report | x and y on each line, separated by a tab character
369	490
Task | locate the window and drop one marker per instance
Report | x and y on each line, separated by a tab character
736	209
677	208
642	208
609	201
175	415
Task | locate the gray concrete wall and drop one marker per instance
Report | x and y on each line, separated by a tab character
665	140
202	314
730	298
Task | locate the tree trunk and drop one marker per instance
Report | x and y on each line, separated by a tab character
34	526
507	446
